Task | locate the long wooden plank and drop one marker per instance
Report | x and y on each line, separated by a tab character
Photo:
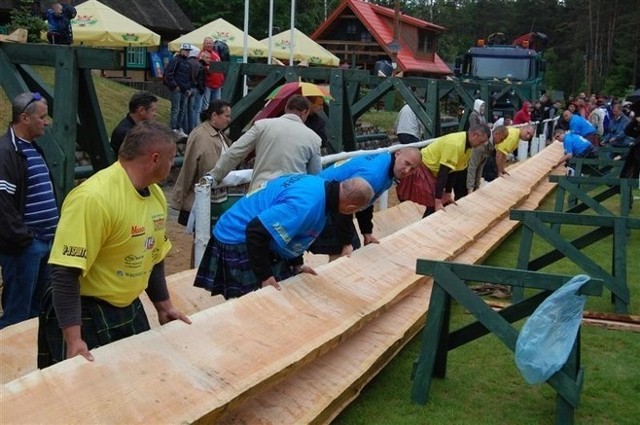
318	392
18	342
236	349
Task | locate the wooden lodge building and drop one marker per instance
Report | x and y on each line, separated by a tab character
361	34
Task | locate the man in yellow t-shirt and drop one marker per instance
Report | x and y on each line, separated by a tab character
505	141
510	144
431	185
109	247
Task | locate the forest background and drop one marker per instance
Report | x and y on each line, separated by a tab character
594	45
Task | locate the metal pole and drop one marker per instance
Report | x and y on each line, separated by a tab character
245	44
270	32
293	28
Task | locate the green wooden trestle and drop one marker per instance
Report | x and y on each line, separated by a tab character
577	191
544	224
77	118
450	284
73	105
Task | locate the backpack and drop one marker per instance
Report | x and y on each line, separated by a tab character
222	49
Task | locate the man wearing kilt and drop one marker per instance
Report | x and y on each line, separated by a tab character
339	236
432	184
260	240
109	247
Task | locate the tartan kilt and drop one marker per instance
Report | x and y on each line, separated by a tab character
102	323
418	187
328	243
225	270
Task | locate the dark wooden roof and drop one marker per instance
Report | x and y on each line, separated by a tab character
158	15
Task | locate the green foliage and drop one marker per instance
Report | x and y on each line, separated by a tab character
26	16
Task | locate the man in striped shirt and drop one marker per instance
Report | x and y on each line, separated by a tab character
28	209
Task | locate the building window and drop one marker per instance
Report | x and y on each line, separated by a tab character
425	41
136	57
365	36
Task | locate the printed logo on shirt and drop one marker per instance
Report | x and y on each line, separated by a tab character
137	231
282	232
74	251
341	162
158	223
150	242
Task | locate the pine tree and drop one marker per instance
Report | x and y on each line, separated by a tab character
26	16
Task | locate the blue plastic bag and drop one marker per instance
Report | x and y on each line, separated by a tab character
546	339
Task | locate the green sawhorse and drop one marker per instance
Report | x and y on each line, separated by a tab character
543	224
449	282
577	190
602	166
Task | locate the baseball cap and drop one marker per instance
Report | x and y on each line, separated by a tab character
185	46
194	52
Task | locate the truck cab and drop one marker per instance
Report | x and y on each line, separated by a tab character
513	71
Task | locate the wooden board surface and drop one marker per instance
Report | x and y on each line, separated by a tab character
18	342
320	390
181	373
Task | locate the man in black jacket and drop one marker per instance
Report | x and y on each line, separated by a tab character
177	77
28	209
142	107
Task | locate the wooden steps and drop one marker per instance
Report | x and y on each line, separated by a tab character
181	373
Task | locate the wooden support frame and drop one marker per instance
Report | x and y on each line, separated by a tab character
577	190
542	224
74	108
449	283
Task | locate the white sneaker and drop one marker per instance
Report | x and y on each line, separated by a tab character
180	133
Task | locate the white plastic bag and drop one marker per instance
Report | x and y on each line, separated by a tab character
546	339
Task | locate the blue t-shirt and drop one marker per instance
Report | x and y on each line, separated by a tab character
579	125
575	144
375	169
292	208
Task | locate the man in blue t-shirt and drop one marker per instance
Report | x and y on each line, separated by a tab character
260	240
581	127
575	146
380	170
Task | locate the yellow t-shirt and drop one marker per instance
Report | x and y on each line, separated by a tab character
113	234
448	150
509	144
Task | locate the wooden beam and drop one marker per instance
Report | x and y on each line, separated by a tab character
45	54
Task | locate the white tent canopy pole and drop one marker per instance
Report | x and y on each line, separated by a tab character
293	27
270	32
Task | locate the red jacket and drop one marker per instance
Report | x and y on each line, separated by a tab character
523	115
212	80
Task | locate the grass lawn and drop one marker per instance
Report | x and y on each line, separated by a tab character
483	385
113	98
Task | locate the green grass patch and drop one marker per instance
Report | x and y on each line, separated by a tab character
483	385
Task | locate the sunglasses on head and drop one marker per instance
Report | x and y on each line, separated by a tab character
34	98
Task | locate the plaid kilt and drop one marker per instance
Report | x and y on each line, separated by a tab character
225	270
328	243
418	187
102	323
